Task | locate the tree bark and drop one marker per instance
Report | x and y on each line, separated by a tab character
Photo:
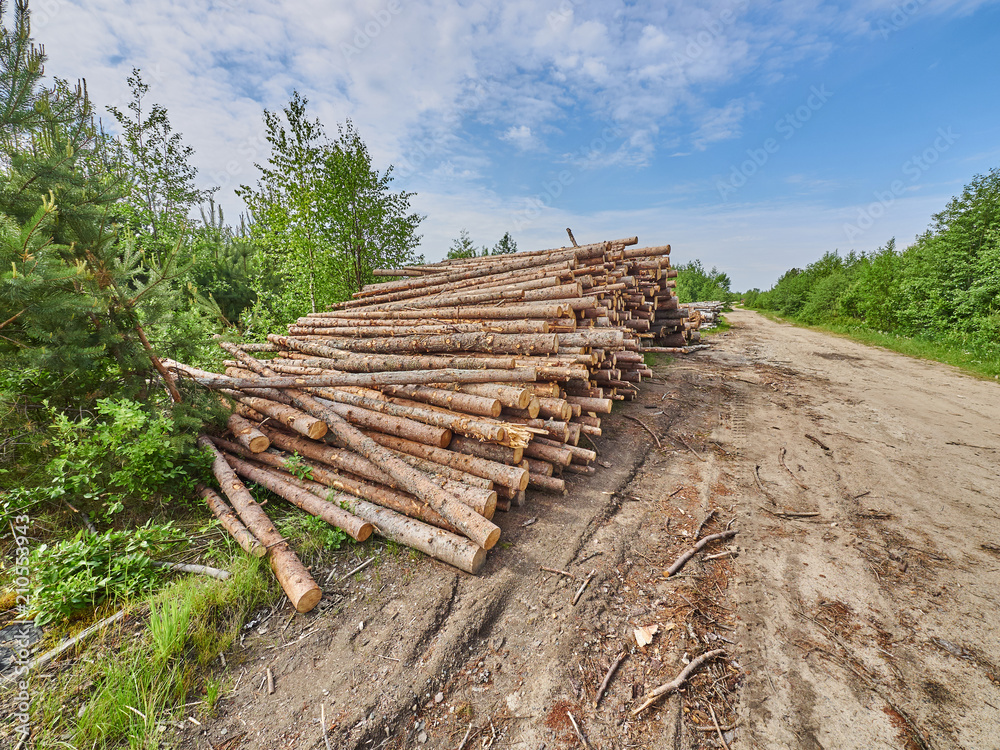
230	522
315	505
295	580
475	527
302	423
498	472
247	435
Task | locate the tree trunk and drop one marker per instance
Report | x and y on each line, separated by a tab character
500	473
317	506
247	435
295	580
230	522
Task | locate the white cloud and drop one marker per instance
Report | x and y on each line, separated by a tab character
432	85
521	137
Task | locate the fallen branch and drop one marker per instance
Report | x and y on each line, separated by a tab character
643	424
720	555
818	442
586	582
202	570
682	560
760	485
607	678
556	570
789	513
781	458
715	720
344	577
678	681
683	442
78	638
709	517
967	445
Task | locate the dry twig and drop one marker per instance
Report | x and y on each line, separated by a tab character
579	734
557	571
683	442
607	678
678	681
682	560
586	582
709	517
646	428
715	720
818	442
781	458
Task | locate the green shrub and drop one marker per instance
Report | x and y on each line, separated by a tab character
124	453
75	575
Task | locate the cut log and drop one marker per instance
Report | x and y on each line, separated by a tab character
247	435
295	580
438	543
300	422
314	505
466	403
498	472
479	499
474	526
230	522
500	453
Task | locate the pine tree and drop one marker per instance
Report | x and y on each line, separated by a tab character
505	246
75	300
462	246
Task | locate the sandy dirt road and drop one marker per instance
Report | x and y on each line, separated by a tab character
875	623
860	610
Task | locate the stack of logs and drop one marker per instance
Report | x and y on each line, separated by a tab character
424	405
704	315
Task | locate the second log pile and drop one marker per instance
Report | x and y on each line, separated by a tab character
424	405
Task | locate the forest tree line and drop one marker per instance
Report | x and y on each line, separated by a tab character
943	290
112	258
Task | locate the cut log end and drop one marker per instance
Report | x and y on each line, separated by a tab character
317	430
259	444
491	539
308	600
477	561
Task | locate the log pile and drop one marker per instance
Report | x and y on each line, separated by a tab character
424	405
704	315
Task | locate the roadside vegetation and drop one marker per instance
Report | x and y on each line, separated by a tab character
696	284
939	298
111	259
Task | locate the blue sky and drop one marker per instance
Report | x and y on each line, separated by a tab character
754	136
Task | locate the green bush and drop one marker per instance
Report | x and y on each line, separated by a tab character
76	575
123	454
943	290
